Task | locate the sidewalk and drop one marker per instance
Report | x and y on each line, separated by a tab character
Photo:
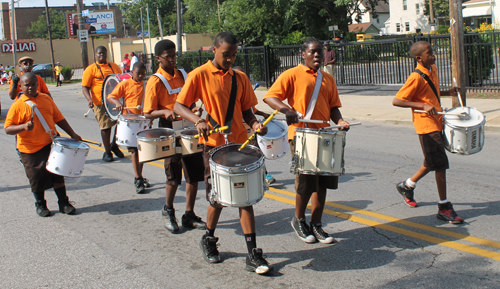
357	105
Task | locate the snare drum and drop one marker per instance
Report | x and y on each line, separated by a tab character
464	134
67	157
319	152
190	144
238	177
155	144
274	144
109	84
128	127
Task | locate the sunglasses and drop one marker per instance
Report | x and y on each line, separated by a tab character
168	57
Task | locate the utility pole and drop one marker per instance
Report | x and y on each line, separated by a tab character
457	49
142	34
159	22
111	43
431	12
13	35
81	26
50	36
179	28
149	30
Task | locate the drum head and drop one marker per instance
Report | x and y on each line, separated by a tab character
132	118
189	133
155	133
473	118
275	129
109	84
230	156
71	143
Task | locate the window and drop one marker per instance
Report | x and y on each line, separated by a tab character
378	20
417	7
398	27
407	26
405	4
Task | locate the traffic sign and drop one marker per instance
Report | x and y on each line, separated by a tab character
83	35
85	12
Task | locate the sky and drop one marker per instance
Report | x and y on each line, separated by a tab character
41	3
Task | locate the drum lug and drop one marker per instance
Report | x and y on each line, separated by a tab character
56	168
139	147
78	173
326	142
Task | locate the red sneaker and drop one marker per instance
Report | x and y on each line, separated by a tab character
448	214
407	194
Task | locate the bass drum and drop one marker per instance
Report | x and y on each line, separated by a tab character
109	84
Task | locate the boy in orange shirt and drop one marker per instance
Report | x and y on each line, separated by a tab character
212	84
297	85
34	143
417	93
92	81
26	64
132	92
159	103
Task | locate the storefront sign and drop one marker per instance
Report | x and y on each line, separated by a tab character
20	47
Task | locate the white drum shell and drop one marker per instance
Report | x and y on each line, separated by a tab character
238	186
151	149
127	129
319	152
189	144
274	147
464	134
67	161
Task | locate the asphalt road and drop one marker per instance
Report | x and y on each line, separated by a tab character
117	239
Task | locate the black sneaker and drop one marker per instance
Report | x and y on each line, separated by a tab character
321	235
302	230
107	157
146	183
41	209
191	221
208	246
65	207
169	220
407	194
139	185
448	214
257	263
116	150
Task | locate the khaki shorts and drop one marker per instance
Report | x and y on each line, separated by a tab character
104	121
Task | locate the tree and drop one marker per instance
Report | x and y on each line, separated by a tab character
441	9
38	29
168	13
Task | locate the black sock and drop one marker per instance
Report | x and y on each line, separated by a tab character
210	232
251	242
39	196
61	193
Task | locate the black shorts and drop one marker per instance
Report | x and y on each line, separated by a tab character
435	158
34	166
192	165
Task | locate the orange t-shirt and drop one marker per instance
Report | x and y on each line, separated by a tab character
297	85
20	112
157	96
213	87
93	77
42	87
132	92
416	89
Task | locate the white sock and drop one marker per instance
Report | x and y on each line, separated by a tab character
443	201
409	183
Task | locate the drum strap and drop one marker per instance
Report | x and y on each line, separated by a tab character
230	107
40	117
167	85
431	84
314	97
100	70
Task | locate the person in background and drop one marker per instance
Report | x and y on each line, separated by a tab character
126	64
134	59
58	69
330	59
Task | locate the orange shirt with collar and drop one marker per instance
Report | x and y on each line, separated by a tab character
42	87
297	85
157	96
94	75
213	87
20	112
417	89
132	92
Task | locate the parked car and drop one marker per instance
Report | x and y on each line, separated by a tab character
44	70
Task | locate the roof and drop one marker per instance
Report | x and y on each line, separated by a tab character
360	27
469	2
382	7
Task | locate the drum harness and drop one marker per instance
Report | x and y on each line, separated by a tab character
431	84
36	111
167	85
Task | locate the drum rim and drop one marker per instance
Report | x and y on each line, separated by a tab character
104	101
283	135
447	123
85	146
188	136
167	137
317	130
141	118
236	170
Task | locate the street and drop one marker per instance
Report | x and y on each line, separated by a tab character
117	238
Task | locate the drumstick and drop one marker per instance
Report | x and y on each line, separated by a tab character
443	113
458	92
87	113
130	107
313	121
92	142
213	131
339	126
255	133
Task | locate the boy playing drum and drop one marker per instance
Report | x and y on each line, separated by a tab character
34	143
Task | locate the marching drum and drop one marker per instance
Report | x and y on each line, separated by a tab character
109	84
274	144
67	157
155	144
464	134
128	127
238	177
319	152
190	144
